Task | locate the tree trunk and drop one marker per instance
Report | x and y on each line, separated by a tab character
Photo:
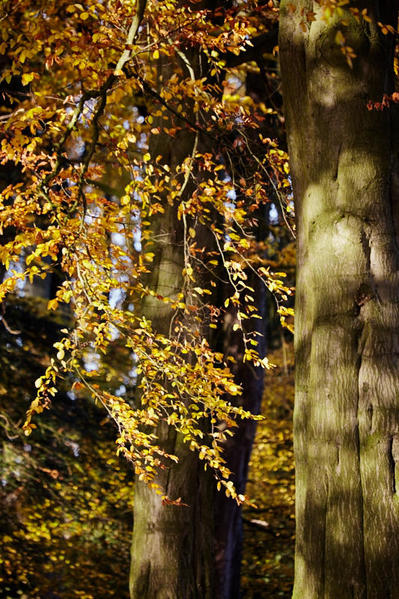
172	548
172	545
228	515
346	424
192	552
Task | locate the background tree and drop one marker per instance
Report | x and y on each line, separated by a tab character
171	527
172	548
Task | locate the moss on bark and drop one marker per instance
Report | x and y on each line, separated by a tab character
347	322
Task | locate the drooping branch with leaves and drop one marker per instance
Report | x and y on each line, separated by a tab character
85	126
146	174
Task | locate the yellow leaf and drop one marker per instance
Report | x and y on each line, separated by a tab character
155	54
232	388
52	304
339	38
27	78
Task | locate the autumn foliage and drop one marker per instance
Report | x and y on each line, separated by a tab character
93	97
84	93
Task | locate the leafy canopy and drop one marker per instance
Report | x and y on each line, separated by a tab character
89	88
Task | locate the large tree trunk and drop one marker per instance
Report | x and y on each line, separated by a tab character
347	319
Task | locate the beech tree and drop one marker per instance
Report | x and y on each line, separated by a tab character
338	80
164	562
193	548
133	186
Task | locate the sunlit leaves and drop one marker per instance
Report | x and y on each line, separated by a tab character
92	189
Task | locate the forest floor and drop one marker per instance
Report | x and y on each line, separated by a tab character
268	555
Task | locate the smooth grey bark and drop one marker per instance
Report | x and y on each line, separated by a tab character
346	423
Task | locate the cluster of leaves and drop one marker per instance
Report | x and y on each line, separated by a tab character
97	90
70	533
66	499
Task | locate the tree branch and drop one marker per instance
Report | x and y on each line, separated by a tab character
91	94
134	27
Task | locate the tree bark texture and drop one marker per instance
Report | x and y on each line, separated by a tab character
172	547
346	423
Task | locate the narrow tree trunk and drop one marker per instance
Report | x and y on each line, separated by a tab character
172	552
191	552
228	521
347	319
228	515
